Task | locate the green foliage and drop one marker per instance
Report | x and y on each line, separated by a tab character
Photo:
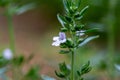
3	62
64	71
18	61
84	69
33	74
72	25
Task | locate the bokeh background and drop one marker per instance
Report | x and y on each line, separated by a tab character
35	29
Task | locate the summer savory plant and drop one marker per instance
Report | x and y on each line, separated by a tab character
72	36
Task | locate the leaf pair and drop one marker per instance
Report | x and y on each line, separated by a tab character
64	71
84	69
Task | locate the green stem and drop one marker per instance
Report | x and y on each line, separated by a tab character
111	37
11	33
72	67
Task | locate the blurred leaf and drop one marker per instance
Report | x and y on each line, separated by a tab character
17	61
3	62
44	77
91	30
3	70
78	3
33	74
64	52
117	66
87	40
25	8
64	29
3	3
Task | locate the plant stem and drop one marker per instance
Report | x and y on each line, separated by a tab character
72	66
11	32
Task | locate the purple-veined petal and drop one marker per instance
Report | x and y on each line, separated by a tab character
62	36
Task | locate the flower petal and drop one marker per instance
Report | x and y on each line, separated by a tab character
56	43
55	38
62	36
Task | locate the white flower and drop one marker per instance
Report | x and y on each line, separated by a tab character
7	54
59	39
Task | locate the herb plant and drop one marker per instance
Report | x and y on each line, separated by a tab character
76	38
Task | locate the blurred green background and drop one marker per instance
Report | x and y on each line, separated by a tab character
35	28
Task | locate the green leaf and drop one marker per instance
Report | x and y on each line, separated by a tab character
62	20
64	52
17	61
91	30
3	62
44	77
68	19
85	68
66	6
63	45
25	8
87	40
64	71
78	73
78	16
69	43
78	2
83	10
60	74
33	74
64	29
4	3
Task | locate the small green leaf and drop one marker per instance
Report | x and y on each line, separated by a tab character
17	61
61	20
85	68
83	10
60	74
64	71
3	62
87	40
66	6
68	19
78	73
64	29
69	43
78	16
78	3
33	74
64	52
91	30
63	45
